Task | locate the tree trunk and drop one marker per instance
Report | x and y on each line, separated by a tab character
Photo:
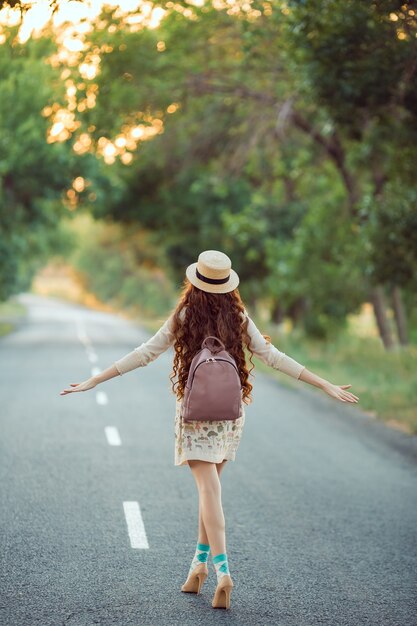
297	310
277	313
289	188
400	315
336	152
378	302
252	304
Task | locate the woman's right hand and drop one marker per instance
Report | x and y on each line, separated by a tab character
84	386
339	392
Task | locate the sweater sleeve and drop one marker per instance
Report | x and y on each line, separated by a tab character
270	355
147	351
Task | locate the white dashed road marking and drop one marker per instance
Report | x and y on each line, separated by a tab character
134	521
101	397
113	437
92	356
81	334
135	525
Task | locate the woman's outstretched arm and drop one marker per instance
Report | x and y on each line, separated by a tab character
139	357
273	357
90	383
335	391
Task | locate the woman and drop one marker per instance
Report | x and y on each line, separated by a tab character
210	304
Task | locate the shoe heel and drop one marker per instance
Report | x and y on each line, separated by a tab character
195	581
222	594
201	580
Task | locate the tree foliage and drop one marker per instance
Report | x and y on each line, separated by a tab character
281	134
33	173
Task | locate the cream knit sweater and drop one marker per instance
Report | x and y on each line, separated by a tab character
164	338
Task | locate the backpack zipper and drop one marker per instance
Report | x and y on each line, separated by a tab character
213	359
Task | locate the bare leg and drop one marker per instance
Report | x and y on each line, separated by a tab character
202	534
209	490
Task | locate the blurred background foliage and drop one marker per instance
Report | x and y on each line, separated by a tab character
135	135
122	267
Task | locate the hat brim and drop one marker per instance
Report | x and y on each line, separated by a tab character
231	284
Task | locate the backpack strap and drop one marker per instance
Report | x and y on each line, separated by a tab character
210	343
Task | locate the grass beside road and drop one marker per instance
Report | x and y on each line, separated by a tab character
11	313
385	382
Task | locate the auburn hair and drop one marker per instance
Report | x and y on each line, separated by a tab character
218	314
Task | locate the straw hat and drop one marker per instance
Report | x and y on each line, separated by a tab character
213	272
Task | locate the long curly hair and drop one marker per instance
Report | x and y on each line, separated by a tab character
206	314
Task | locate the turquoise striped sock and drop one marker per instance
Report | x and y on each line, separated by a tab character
201	556
221	565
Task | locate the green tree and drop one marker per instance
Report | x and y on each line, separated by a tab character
358	61
33	173
273	130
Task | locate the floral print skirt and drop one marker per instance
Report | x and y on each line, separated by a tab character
211	440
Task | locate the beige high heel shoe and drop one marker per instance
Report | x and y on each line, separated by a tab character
221	599
196	579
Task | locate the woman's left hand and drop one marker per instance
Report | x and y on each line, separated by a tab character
338	392
85	386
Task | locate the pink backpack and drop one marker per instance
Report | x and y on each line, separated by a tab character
213	390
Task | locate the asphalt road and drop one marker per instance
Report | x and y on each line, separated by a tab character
320	504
